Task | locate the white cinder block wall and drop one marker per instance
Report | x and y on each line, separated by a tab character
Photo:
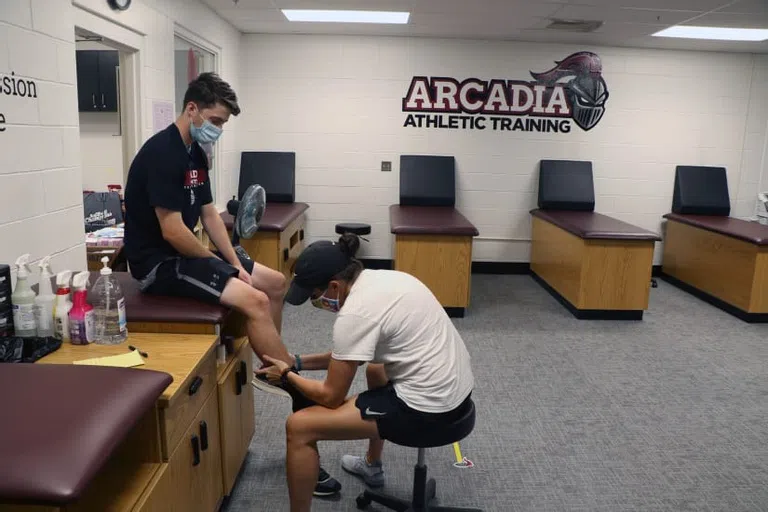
336	102
40	157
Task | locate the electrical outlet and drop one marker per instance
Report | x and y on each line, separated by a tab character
386	166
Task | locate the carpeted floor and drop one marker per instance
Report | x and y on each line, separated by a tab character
670	413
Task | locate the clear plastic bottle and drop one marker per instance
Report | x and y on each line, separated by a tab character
109	306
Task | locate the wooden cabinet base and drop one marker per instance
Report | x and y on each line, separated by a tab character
443	263
728	273
593	279
277	249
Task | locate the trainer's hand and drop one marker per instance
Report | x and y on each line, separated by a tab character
275	371
243	275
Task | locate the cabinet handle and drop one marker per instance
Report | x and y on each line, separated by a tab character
93	97
301	234
195	386
103	105
195	451
243	373
285	254
203	435
238	381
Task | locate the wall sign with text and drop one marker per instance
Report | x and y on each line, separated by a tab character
572	91
13	86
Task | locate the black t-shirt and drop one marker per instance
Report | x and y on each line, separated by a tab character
164	173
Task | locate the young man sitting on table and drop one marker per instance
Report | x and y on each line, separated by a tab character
167	192
420	377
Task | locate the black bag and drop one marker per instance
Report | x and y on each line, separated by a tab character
26	350
102	210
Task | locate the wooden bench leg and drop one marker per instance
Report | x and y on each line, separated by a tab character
728	273
594	279
442	263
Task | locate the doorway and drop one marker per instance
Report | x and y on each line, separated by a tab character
190	58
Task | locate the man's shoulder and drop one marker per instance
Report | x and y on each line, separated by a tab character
165	143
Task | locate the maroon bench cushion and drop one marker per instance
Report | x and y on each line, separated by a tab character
429	220
63	422
277	216
141	307
594	226
752	232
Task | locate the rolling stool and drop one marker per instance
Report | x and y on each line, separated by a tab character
424	491
356	228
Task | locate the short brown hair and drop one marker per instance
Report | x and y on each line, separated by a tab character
208	89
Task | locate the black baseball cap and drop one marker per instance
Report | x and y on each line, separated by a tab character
317	264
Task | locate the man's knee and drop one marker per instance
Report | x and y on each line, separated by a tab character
270	281
248	300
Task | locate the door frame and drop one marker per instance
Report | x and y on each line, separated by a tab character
130	45
191	37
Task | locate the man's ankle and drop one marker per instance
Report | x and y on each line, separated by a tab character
369	460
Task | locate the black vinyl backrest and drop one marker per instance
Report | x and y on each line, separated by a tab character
566	185
427	180
273	170
701	191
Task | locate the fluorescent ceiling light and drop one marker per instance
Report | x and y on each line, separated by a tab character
717	33
346	16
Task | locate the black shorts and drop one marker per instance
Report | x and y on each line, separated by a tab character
395	420
203	279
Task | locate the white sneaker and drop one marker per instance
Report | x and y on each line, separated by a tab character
260	382
372	474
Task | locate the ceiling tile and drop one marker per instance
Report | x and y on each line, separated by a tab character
747	7
628	15
734	20
673	5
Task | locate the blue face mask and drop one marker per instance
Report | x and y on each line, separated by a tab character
326	303
205	134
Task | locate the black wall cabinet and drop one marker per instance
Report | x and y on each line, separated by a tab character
97	80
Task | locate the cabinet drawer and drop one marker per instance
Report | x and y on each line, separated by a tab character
186	403
236	414
194	470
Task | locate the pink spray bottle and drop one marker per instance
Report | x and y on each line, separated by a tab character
81	316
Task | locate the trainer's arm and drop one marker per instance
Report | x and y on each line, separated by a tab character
217	232
315	361
176	233
333	390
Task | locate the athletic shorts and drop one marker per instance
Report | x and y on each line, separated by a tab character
203	279
395	420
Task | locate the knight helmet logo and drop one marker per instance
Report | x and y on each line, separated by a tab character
581	75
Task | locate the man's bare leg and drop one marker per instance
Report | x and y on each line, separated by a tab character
256	306
273	284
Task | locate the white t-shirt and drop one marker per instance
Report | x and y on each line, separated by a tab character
391	317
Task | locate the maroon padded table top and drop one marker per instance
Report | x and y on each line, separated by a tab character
141	307
429	220
277	216
752	232
64	422
594	226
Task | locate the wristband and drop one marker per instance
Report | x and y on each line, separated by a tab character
298	362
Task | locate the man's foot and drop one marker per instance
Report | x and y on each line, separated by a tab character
261	382
326	484
299	400
372	474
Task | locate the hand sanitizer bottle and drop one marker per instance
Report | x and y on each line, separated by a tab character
109	306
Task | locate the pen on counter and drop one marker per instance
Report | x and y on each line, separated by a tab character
142	354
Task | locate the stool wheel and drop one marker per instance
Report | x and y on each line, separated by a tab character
363	501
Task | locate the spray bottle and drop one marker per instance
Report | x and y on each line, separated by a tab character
81	316
62	306
44	300
23	299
